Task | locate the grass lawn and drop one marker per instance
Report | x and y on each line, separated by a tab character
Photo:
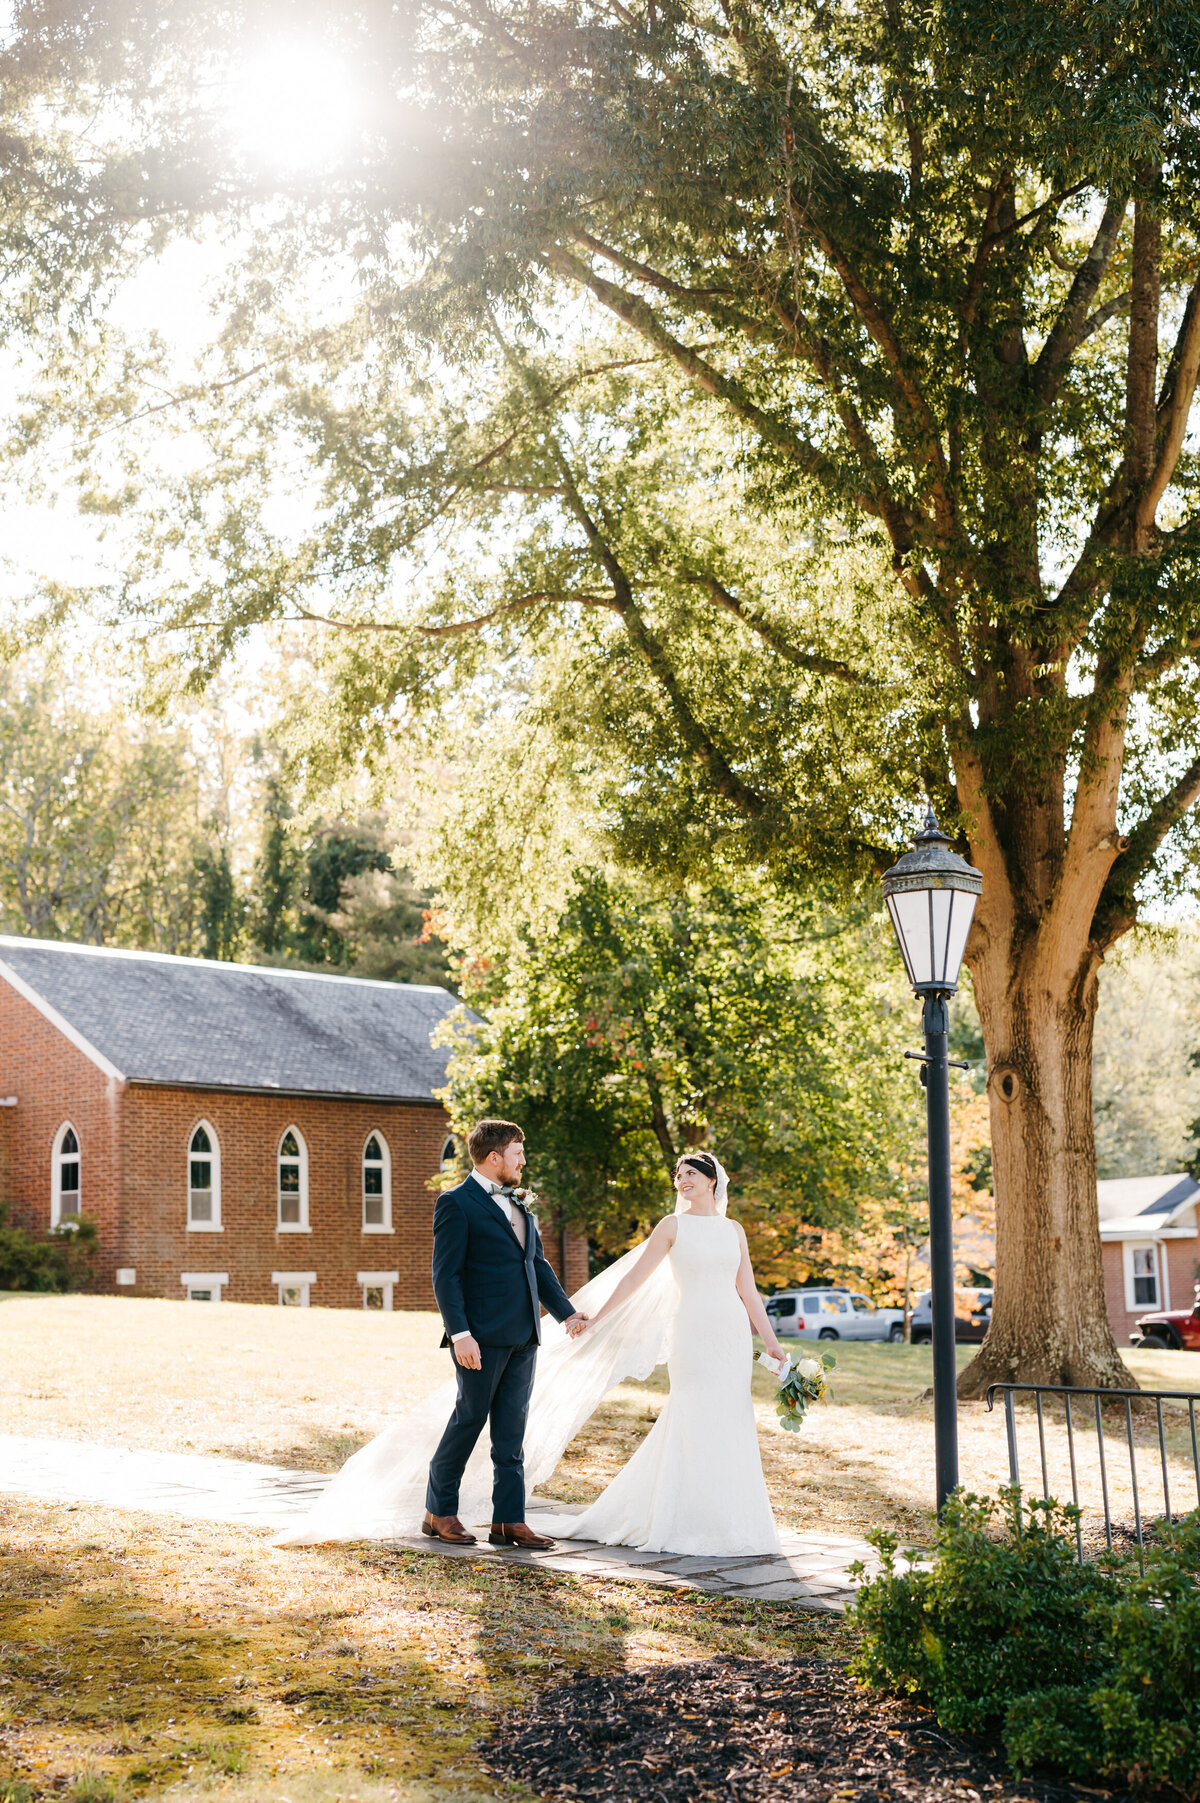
305	1387
140	1655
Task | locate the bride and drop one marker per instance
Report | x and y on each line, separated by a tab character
695	1484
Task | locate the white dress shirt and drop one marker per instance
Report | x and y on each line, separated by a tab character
512	1214
505	1204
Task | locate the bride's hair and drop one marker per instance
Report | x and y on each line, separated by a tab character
700	1161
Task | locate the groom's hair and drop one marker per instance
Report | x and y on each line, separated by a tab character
491	1136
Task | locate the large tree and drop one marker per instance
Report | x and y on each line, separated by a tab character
932	271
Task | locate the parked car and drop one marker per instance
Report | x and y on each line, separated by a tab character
833	1315
972	1316
1176	1330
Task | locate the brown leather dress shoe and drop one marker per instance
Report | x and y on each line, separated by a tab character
448	1528
518	1533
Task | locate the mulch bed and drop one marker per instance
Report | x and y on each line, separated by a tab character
743	1730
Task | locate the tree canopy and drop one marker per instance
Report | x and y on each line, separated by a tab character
644	1023
797	396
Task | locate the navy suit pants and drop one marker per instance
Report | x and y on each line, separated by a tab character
498	1393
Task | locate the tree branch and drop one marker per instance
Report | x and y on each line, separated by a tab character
1142	370
1141	847
882	331
642	318
1171	414
463	482
455	628
644	273
1073	324
989	237
1164	659
880	501
1119	303
697	740
804	660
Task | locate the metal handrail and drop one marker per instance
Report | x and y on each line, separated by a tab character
1067	1391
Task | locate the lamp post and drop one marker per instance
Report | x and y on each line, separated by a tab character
931	894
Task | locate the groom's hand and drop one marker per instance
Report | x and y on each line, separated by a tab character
575	1325
466	1351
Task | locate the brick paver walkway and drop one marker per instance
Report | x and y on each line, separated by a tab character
810	1572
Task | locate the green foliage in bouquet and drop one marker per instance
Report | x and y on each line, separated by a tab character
806	1383
1086	1668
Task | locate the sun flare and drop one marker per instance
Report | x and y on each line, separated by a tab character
293	106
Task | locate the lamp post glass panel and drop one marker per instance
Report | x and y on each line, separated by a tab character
931	895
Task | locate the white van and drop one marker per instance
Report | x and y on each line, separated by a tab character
833	1315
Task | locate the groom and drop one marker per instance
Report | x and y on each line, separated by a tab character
490	1278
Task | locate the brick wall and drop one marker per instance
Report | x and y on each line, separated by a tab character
134	1174
157	1129
53	1083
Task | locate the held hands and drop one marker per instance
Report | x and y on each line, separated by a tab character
467	1352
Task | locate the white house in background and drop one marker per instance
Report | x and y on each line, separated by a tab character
1150	1235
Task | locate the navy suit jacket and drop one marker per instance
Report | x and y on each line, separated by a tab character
483	1281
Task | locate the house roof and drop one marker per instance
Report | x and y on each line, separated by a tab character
1132	1206
146	1017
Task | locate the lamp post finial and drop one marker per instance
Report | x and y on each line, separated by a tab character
931	833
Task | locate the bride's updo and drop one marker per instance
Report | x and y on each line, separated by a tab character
699	1161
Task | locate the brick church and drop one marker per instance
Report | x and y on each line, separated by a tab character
236	1132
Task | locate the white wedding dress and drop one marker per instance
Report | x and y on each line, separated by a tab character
695	1485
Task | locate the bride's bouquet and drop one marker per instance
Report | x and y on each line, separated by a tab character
805	1384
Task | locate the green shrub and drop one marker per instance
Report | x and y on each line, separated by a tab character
993	1618
1142	1722
1090	1669
60	1262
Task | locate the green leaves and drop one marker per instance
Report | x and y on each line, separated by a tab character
649	1020
1087	1668
804	1385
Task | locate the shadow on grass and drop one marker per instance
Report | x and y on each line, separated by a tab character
109	1693
380	1666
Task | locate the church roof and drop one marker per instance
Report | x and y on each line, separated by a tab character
146	1017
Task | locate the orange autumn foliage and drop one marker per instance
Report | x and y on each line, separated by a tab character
887	1242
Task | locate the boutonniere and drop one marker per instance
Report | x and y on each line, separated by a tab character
528	1199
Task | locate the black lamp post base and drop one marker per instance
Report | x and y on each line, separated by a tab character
941	1247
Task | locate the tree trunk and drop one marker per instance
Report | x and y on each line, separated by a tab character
1049	1321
